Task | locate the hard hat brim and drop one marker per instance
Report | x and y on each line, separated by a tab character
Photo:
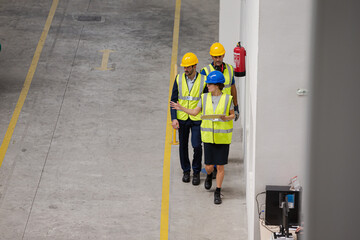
187	65
216	55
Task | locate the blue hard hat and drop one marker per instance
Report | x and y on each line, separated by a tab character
215	77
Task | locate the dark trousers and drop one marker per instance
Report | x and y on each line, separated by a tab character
184	132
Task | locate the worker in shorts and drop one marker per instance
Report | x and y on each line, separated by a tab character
216	134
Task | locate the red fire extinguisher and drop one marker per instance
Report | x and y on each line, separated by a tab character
239	59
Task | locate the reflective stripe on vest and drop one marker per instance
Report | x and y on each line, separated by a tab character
189	99
216	130
228	74
219	132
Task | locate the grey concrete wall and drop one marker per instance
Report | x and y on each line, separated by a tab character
333	200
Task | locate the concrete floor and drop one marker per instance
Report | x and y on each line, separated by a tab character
85	160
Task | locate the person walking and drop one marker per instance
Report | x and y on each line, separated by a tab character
187	90
217	53
216	133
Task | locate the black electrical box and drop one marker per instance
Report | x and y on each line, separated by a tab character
275	198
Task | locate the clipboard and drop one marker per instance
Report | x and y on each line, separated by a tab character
212	116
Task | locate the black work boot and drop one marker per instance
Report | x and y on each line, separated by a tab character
214	173
208	181
186	177
196	179
217	196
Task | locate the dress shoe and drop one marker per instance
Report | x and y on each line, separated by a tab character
217	197
186	177
208	181
196	179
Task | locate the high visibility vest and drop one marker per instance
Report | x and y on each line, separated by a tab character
216	131
228	74
189	99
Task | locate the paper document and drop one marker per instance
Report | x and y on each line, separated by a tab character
213	116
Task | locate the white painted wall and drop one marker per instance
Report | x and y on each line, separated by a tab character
276	36
281	126
229	30
229	36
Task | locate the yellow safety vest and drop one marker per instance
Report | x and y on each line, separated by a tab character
228	74
216	131
189	99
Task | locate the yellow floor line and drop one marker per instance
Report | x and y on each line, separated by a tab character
25	89
164	222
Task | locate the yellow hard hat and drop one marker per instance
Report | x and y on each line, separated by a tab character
217	49
189	59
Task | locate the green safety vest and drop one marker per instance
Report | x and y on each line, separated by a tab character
216	131
189	99
227	74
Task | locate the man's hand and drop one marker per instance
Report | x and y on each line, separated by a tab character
237	113
175	105
175	124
